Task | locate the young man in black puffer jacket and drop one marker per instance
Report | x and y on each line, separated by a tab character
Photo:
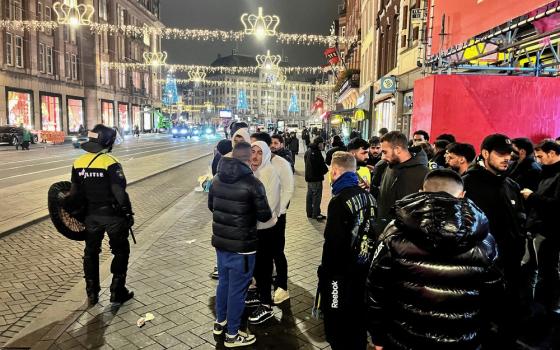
237	200
433	273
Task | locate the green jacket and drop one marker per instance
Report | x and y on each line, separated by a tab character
26	136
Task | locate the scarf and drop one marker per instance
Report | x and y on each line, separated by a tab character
347	179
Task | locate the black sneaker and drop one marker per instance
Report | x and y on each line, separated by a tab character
219	327
241	339
214	275
261	314
252	298
320	217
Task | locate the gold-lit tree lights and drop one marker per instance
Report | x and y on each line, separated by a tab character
259	25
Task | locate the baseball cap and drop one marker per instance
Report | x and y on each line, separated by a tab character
497	142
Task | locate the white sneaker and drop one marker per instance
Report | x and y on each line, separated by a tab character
241	339
280	296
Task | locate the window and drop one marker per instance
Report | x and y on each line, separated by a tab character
15	10
39	11
67	72
105	78
19	51
104	42
122	78
107	113
41	59
103	9
75	108
50	60
19	108
50	113
72	35
9	49
48	17
74	63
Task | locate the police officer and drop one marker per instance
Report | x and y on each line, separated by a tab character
99	178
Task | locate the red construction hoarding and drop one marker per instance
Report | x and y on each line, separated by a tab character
464	19
474	106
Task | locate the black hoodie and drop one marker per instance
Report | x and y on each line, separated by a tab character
545	202
526	173
238	200
432	272
500	199
398	181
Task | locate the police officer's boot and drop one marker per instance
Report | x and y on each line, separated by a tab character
119	293
92	290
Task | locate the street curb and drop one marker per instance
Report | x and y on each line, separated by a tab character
45	212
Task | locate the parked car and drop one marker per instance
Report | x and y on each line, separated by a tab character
290	128
78	140
181	131
10	134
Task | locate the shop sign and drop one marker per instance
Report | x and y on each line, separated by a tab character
359	115
364	100
388	85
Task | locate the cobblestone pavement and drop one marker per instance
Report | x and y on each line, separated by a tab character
38	265
170	277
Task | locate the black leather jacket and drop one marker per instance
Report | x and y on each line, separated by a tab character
432	271
238	200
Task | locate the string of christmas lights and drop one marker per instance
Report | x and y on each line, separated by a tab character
178	33
249	84
28	25
214	69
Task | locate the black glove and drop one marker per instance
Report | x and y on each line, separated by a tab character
130	219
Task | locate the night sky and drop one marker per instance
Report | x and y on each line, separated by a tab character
296	16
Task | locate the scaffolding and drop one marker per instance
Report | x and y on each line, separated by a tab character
515	48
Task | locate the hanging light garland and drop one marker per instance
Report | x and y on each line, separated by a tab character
215	69
259	25
251	84
179	33
74	14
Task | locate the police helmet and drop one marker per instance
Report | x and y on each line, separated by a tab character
100	138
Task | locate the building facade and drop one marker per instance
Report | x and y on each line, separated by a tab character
56	80
249	96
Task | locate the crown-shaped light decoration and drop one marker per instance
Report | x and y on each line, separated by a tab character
259	25
197	76
209	106
268	62
72	13
155	58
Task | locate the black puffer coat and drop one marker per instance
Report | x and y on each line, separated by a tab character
238	200
431	274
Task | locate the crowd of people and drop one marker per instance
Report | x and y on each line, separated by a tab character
428	244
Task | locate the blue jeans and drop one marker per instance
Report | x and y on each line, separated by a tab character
313	199
235	272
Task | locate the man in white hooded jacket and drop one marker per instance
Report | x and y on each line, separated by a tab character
265	172
287	185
